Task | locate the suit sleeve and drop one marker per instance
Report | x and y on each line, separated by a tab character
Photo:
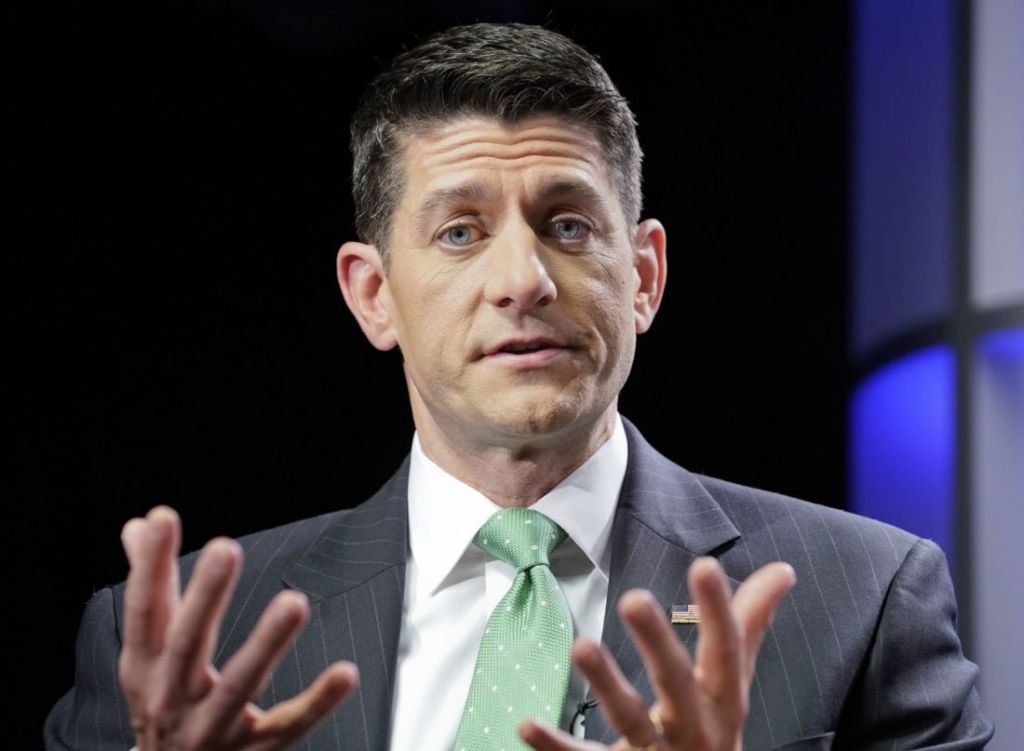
917	690
93	715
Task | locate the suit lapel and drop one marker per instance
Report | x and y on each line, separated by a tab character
665	519
354	575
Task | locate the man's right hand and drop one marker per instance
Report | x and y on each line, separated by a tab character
178	700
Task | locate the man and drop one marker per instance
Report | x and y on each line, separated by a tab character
497	187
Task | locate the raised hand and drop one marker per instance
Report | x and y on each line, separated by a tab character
178	700
702	704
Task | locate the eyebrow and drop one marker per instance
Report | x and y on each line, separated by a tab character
472	192
477	192
578	189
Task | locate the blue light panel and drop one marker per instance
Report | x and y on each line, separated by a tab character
902	447
903	138
1004	344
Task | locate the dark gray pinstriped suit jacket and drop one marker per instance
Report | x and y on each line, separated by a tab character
863	654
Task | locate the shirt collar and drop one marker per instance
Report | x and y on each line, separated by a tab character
445	513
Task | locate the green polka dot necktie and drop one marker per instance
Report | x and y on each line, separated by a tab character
522	668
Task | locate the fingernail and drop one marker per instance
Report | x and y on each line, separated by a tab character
654	608
648	607
287	614
529	725
290	608
218	561
588	657
710	562
157	531
129	532
792	572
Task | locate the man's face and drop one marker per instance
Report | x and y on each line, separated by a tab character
512	284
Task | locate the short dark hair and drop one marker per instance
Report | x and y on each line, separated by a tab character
506	71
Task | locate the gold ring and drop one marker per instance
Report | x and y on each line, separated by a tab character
658	728
656	721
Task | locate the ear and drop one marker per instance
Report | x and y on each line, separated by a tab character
651	272
364	286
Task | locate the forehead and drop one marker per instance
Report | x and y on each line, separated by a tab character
483	149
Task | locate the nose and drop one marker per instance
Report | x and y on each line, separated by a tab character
517	277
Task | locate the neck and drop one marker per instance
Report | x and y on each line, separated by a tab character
515	471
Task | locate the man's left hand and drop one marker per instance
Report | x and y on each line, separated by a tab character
701	704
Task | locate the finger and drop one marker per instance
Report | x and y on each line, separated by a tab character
129	537
545	738
621	704
718	655
151	589
245	672
131	682
192	634
167	528
668	666
290	720
138	593
755	603
174	580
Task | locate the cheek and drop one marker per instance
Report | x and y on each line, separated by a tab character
606	326
434	313
609	298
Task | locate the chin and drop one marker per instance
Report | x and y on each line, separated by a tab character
538	417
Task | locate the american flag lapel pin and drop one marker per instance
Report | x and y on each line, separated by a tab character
685	614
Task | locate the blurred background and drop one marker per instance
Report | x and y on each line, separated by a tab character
843	188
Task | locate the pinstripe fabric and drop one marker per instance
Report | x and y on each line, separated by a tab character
351	564
863	654
79	719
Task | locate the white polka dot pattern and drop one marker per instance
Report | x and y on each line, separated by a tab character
518	668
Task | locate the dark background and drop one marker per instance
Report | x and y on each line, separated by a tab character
181	180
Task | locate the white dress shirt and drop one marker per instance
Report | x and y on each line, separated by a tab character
451	586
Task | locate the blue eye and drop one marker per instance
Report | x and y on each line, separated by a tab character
569	229
459	235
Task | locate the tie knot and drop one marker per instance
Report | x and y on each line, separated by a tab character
519	536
